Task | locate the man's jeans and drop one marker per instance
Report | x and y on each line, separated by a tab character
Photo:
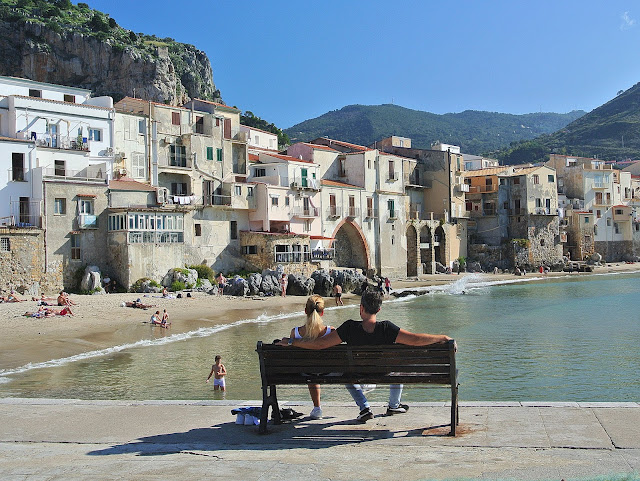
395	393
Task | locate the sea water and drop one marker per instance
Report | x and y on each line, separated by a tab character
530	339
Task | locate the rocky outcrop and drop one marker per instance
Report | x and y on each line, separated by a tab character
169	74
299	285
323	282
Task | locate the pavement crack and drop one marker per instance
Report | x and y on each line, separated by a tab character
201	454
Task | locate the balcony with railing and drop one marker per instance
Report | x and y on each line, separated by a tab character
323	254
309	212
23	214
352	212
482	189
334	212
60	142
302	183
91	173
370	213
543	211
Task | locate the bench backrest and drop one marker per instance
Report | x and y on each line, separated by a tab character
384	364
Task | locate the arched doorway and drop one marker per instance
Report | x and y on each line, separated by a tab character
412	251
351	248
426	246
440	244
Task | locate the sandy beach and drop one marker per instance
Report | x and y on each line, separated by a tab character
100	321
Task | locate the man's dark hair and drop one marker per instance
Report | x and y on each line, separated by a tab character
371	301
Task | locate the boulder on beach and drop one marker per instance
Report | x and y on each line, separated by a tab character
91	279
299	285
323	283
237	286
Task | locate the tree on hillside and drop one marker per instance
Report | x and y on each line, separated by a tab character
251	120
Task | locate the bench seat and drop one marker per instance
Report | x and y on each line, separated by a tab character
345	364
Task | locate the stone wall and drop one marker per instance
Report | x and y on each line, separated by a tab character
614	251
264	257
22	262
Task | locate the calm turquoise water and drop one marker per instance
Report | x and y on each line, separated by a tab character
571	339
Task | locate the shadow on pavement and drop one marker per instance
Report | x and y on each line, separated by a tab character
301	433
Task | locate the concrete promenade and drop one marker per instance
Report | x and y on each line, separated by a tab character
71	439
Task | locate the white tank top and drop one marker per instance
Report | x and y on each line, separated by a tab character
296	333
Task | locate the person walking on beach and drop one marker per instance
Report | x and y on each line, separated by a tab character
312	330
283	285
337	293
221	283
218	371
387	285
370	331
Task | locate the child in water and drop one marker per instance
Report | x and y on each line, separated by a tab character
218	372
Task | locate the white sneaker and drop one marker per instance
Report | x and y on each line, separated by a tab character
316	413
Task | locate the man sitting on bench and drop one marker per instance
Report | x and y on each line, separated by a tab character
370	332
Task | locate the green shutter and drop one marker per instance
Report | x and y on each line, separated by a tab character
209	153
219	155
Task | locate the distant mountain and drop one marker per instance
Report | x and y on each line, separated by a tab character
474	131
609	132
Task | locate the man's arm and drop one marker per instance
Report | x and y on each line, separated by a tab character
416	339
333	339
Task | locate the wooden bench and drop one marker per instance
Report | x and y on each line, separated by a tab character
343	364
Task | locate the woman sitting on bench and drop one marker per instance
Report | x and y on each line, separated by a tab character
313	329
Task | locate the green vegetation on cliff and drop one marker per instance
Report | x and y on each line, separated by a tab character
251	120
67	20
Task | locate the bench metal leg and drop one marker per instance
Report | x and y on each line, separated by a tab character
454	409
269	400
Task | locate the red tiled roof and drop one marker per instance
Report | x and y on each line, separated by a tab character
217	104
86	195
11	139
361	148
288	158
337	183
319	147
126	183
254	157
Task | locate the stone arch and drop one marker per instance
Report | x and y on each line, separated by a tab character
440	244
351	248
426	249
412	251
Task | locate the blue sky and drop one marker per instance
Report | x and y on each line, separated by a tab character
288	61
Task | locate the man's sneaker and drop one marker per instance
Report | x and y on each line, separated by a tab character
364	415
401	409
316	413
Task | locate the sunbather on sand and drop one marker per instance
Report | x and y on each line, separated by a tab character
138	305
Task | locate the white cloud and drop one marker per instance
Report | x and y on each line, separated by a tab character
627	21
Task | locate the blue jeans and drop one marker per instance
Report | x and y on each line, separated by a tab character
395	393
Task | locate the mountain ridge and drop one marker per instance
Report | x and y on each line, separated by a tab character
474	131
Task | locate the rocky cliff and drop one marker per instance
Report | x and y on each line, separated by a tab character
102	57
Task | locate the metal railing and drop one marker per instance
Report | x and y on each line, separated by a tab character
91	173
323	254
334	211
480	189
290	257
17	175
352	212
61	142
298	211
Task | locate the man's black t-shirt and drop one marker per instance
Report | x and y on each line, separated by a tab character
351	332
